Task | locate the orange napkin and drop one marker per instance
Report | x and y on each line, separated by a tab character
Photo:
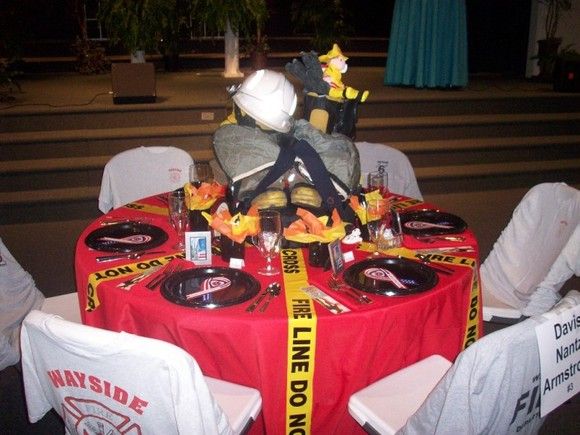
204	196
359	209
236	227
310	228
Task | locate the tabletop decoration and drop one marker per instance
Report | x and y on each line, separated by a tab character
359	208
315	232
310	228
234	230
202	198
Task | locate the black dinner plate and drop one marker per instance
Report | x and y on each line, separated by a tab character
431	223
126	237
232	286
390	276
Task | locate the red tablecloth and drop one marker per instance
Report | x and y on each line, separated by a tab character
347	351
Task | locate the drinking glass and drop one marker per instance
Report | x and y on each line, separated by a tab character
269	239
378	180
391	235
377	217
178	216
200	172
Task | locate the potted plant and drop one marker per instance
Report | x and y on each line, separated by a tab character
327	24
548	47
234	18
137	24
257	44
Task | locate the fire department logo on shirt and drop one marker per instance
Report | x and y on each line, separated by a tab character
90	417
175	175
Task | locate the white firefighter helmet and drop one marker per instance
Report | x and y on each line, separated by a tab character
269	98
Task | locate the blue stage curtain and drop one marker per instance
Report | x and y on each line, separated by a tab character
428	44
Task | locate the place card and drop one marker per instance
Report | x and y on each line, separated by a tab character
198	247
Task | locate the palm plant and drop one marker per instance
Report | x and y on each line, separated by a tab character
554	8
234	18
137	24
548	47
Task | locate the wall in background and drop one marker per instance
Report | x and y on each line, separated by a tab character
568	30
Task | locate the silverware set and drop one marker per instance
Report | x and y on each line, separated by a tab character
169	269
337	285
131	256
433	239
437	267
271	291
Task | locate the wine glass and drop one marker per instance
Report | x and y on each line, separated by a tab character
200	172
377	218
378	180
269	239
178	216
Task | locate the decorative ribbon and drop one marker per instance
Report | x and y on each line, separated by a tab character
301	344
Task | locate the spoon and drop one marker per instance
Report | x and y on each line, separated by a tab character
265	293
273	291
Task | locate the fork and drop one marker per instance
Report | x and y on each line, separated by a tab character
337	285
171	268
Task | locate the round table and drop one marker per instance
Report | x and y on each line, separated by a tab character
305	360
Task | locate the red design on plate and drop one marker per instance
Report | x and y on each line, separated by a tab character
419	225
384	275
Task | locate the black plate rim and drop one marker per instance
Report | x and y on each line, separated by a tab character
432	231
160	239
173	279
430	284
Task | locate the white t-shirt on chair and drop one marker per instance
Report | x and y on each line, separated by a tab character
142	172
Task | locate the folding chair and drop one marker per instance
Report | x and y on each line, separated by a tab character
99	380
142	172
525	252
380	157
493	387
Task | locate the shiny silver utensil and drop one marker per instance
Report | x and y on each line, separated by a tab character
131	256
255	304
433	239
337	285
273	291
437	267
169	269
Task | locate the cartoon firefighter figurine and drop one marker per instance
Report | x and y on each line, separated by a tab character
333	67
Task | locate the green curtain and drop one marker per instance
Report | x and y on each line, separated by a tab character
428	44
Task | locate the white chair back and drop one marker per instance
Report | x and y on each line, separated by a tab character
380	157
492	388
96	378
18	296
141	172
522	256
65	306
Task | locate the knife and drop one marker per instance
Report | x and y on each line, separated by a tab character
132	256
